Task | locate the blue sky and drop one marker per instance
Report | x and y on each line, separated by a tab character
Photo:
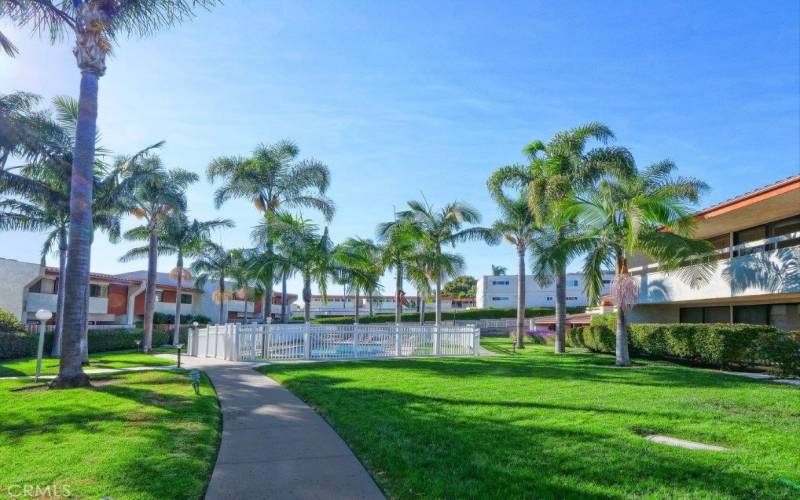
400	98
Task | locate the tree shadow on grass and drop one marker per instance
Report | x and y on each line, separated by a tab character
438	447
163	446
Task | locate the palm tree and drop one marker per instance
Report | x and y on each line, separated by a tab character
556	170
96	24
359	272
158	195
42	192
499	270
242	277
24	132
273	180
215	263
517	225
437	229
645	212
418	271
181	238
399	240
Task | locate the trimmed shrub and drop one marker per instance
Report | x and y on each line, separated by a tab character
609	320
781	350
23	345
531	312
9	323
714	344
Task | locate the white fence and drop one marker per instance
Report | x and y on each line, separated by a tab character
329	342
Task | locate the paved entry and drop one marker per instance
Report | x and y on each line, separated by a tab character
274	446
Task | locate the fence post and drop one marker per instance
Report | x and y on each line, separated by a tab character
397	340
476	341
436	340
237	344
355	340
306	341
265	344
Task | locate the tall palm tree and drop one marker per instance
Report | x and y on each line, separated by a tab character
359	272
555	171
25	132
96	25
518	226
273	179
418	271
399	240
158	195
242	276
182	238
215	263
444	227
645	212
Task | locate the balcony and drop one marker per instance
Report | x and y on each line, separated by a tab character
755	269
49	301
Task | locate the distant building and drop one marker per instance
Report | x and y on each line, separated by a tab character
345	305
116	299
501	291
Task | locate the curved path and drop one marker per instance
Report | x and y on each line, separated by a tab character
274	445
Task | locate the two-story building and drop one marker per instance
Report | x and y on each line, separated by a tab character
756	276
119	299
501	291
345	305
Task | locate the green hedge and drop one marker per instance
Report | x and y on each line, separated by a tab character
531	312
23	345
715	344
9	322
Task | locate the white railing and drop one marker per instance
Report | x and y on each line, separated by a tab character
331	342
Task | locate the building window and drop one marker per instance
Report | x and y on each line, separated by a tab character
186	298
159	296
572	298
500	282
98	291
753	315
606	282
550	299
715	314
495	299
572	283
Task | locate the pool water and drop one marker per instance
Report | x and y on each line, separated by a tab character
345	350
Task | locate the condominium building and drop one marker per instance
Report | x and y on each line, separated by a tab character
501	291
756	276
118	299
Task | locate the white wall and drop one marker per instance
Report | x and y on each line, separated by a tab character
501	292
15	278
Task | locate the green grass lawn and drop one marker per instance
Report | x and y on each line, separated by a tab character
538	425
117	359
143	435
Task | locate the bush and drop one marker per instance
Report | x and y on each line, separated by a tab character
23	345
531	312
9	323
715	344
780	349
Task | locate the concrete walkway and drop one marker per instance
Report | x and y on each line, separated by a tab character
274	445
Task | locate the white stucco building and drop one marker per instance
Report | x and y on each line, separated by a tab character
756	278
501	291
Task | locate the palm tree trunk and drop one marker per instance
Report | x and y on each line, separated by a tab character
284	305
398	308
521	297
307	299
62	265
76	284
421	307
176	333
269	298
245	307
358	306
222	320
561	310
370	304
85	331
150	291
623	357
438	305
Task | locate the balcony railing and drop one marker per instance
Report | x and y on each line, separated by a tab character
762	267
